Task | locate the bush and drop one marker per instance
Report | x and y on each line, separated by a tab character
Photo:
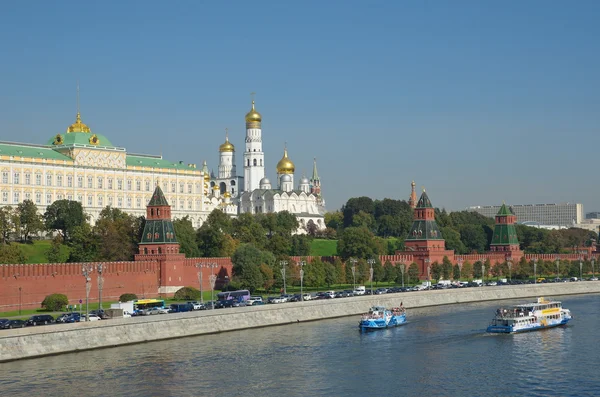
55	302
127	297
187	294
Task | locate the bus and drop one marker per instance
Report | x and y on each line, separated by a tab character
241	295
145	304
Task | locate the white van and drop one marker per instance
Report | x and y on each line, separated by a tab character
253	299
360	290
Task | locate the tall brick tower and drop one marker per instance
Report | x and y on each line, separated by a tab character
159	243
505	234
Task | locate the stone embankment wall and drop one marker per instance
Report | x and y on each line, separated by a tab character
64	338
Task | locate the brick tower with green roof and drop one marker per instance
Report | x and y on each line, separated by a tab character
505	234
424	233
159	243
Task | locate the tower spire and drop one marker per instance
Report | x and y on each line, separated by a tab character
315	174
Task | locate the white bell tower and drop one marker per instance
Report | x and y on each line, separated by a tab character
254	167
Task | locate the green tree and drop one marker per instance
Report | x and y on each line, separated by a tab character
363	219
314	273
186	237
29	218
389	271
5	223
127	297
446	268
353	206
246	229
334	220
187	294
246	262
83	245
401	277
116	235
378	271
64	216
267	276
55	254
10	253
453	241
356	242
300	245
436	271
331	274
467	270
214	236
456	275
55	302
340	271
473	238
413	273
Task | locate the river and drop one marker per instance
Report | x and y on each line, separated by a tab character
442	351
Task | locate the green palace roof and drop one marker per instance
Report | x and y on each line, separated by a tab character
32	151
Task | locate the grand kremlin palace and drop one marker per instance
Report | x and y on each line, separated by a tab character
86	166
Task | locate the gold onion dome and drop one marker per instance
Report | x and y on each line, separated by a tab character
285	165
227	146
253	116
78	126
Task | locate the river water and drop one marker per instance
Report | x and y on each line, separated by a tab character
442	351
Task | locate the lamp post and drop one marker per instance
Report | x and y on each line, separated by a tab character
86	270
353	261
535	270
509	263
301	264
100	268
460	262
580	267
283	264
482	272
593	276
402	269
427	260
371	262
200	266
212	279
20	301
557	267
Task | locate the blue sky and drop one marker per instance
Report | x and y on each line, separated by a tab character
477	101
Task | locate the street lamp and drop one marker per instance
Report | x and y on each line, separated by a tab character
371	262
283	264
86	270
535	270
460	262
557	267
212	279
100	268
301	264
402	269
200	266
482	272
580	267
509	263
427	260
20	301
353	261
593	276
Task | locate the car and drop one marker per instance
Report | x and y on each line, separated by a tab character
258	303
275	299
307	297
348	293
197	305
593	279
10	324
40	319
380	291
208	305
61	318
71	318
158	310
92	317
224	304
254	299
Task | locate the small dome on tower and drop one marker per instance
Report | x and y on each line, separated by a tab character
285	178
304	181
265	181
227	146
253	116
78	126
285	165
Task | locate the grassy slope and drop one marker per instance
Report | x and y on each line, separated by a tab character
36	252
320	247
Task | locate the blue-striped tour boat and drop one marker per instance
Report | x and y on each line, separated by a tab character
379	317
529	317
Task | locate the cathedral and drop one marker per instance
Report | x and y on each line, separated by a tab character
253	193
81	165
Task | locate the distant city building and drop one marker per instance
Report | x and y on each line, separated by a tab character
544	215
592	215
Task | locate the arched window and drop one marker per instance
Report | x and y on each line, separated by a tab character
222	187
248	162
146	251
254	161
261	162
159	250
232	183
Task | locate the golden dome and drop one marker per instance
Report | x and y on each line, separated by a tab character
253	116
226	195
78	126
227	146
285	165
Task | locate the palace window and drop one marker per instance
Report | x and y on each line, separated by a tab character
79	181
138	202
110	185
38	198
100	182
28	196
138	185
80	198
16	178
38	179
147	186
4	176
59	196
100	200
90	182
48	198
69	181
181	187
58	180
254	162
48	179
28	179
119	184
129	184
129	202
120	202
189	188
181	205
189	204
165	185
110	200
70	197
90	200
5	197
16	198
173	187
